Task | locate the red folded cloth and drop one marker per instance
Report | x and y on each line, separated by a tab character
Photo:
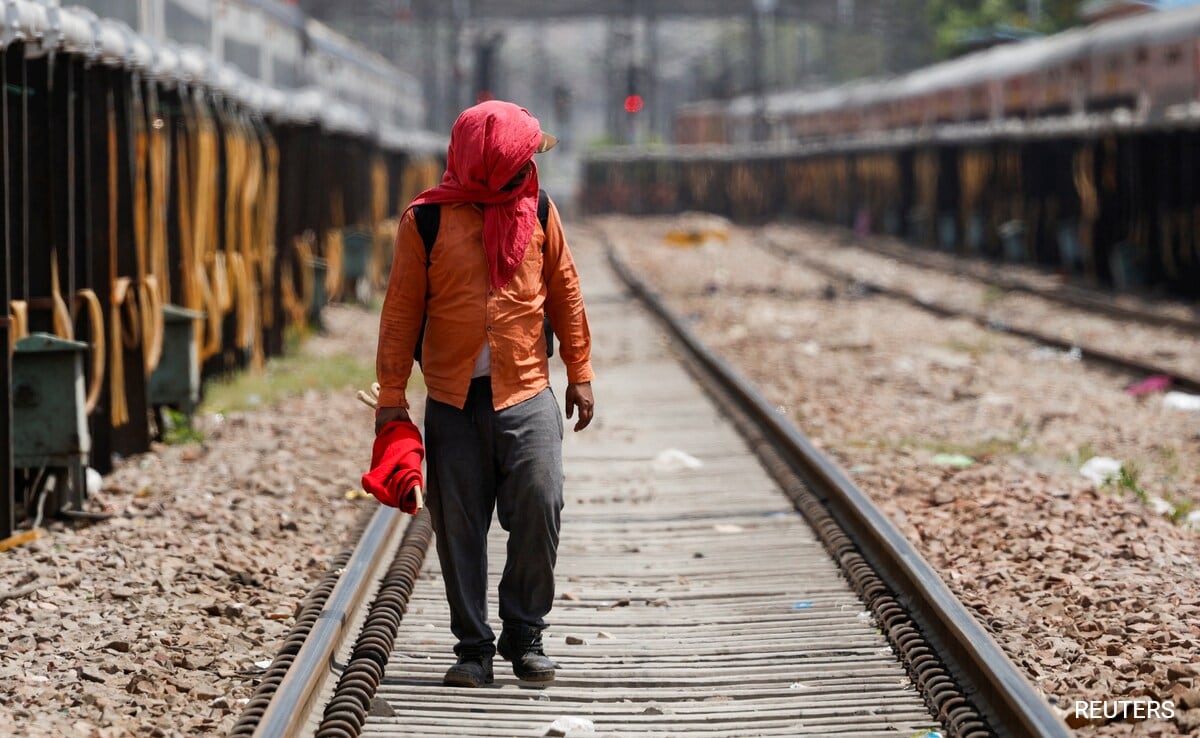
396	466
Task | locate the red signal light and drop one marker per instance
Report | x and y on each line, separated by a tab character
633	103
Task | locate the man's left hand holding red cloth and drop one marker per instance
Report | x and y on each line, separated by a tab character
395	476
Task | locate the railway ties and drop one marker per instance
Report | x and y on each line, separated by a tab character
691	599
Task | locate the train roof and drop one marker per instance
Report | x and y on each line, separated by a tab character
44	29
289	15
826	99
999	62
1081	126
1164	26
336	45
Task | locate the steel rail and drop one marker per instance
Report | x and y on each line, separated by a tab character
293	700
983	271
354	696
1112	360
987	677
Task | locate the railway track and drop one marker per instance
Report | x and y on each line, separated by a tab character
1134	365
693	597
1180	317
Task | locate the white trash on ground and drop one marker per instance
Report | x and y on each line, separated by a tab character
673	460
1161	506
1049	353
1101	469
94	482
570	725
1182	401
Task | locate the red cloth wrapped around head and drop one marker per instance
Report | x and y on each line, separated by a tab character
396	466
489	143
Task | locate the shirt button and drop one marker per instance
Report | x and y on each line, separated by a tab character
489	327
491	293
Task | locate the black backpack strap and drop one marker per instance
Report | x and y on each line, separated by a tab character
429	219
543	210
543	213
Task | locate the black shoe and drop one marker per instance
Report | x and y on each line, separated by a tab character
472	670
522	646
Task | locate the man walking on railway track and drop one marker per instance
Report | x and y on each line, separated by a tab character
477	271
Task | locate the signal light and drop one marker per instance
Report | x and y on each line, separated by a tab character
633	103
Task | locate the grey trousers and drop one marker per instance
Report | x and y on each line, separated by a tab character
477	460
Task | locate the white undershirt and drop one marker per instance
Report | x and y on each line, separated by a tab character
483	364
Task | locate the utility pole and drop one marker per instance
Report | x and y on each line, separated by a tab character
429	71
486	78
459	11
622	76
654	108
762	8
1034	11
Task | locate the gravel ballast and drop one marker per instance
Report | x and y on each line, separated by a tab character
157	621
972	441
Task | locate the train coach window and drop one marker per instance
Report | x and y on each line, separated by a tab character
244	56
1173	55
284	73
186	26
121	10
1142	55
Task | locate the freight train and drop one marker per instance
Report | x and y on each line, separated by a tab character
276	44
165	217
1147	67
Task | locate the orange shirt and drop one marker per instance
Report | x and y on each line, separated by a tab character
464	311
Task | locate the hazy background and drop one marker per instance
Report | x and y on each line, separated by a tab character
595	61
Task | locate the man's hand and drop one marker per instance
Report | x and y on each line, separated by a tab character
580	395
385	415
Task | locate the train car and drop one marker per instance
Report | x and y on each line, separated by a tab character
1061	77
1143	65
362	78
1146	63
701	123
155	185
804	116
740	119
276	44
